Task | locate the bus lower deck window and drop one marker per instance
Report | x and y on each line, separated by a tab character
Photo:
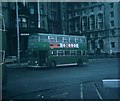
53	52
60	53
78	52
67	52
73	53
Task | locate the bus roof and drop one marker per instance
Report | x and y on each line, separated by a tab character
56	35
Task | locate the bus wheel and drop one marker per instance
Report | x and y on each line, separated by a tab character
53	64
80	62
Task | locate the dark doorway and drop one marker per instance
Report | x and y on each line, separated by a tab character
43	55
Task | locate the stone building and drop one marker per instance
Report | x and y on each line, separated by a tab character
34	17
98	21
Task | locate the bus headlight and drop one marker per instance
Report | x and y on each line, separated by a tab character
36	62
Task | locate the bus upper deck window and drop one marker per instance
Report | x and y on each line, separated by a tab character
52	39
78	40
43	38
83	40
66	39
59	39
72	39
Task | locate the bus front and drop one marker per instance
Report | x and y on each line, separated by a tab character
38	50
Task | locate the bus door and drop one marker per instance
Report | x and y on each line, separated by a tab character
43	55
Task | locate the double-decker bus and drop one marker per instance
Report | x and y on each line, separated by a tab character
51	50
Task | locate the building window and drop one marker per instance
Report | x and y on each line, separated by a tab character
111	5
70	16
84	23
100	7
92	22
42	9
100	17
100	25
92	9
113	44
112	14
76	26
83	12
32	25
112	32
24	22
43	24
92	35
100	34
31	9
112	23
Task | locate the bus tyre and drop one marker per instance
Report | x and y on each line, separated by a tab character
80	62
53	64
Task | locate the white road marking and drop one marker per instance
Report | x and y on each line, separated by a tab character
81	91
99	95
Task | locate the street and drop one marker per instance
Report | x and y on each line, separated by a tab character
70	82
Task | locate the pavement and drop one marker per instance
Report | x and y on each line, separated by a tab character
100	60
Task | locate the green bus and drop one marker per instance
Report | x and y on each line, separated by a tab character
51	50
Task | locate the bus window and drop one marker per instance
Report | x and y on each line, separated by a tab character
72	53
78	52
52	39
60	53
78	40
67	52
72	39
66	39
59	39
43	38
34	39
84	40
53	52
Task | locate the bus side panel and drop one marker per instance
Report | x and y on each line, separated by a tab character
68	59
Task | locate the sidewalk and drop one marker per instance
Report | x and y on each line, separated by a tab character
16	65
101	60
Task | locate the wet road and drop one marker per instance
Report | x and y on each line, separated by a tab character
71	82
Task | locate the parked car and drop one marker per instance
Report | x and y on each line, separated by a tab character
11	59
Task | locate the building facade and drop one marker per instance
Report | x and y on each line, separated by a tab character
34	17
99	22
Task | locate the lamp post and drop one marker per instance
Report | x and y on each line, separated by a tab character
18	41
